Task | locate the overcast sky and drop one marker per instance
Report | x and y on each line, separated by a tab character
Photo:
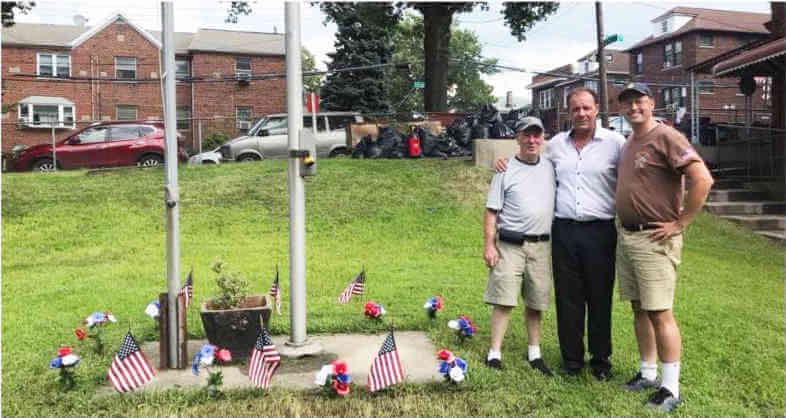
563	38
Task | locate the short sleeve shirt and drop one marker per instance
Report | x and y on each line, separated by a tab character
523	196
649	188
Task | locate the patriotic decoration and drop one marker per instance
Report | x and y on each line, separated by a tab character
187	291
210	356
129	369
275	291
463	326
374	310
65	360
386	369
453	368
94	324
432	306
264	361
334	375
355	287
153	309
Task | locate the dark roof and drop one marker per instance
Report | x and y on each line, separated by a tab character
769	50
709	20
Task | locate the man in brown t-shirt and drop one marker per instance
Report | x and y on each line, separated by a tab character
651	222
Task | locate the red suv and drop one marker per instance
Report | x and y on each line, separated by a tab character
113	144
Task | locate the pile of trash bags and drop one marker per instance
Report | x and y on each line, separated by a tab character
456	141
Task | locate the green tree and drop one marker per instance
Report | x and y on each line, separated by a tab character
464	72
363	39
10	8
311	83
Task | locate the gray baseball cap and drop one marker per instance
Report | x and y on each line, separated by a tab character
528	122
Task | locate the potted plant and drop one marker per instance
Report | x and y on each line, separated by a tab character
233	318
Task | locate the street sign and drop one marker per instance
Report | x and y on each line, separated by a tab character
419	84
612	38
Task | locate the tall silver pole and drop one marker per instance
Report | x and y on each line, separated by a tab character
171	192
693	137
297	204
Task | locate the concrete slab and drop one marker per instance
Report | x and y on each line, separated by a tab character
416	351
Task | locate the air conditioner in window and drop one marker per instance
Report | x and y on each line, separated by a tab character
243	78
244	124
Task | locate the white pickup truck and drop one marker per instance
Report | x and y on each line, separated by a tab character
267	137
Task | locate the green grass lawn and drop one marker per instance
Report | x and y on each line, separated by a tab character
73	244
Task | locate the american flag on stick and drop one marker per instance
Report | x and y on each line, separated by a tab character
386	368
129	369
355	287
264	361
275	291
187	291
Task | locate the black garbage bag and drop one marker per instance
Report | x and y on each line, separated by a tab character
428	142
391	142
374	151
480	131
500	130
362	146
490	114
513	117
460	131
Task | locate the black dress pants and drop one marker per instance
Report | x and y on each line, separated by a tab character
583	255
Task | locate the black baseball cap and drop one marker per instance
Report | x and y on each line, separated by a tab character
631	88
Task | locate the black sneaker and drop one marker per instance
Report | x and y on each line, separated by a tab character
540	366
601	374
494	363
663	399
639	382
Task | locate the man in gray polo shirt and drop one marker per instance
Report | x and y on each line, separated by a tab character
517	227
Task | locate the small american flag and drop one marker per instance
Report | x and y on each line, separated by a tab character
386	368
264	361
275	292
355	287
129	369
187	291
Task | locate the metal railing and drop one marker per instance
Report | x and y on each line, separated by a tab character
744	153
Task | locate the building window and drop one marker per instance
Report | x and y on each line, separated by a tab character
53	65
672	54
243	117
565	97
638	66
125	68
182	68
125	112
673	98
183	118
545	99
664	26
705	87
609	58
46	115
243	66
706	40
591	84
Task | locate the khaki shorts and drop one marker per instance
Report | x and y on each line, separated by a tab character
522	269
646	270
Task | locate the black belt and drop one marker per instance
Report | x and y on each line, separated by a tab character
517	238
638	227
589	222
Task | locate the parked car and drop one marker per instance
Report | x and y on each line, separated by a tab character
617	124
268	138
111	144
207	157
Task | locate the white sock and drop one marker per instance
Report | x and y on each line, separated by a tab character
648	370
671	377
493	354
533	352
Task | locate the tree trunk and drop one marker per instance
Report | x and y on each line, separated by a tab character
436	22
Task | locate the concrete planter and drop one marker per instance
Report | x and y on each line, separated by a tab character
236	329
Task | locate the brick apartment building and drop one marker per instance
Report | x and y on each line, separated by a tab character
550	91
75	75
683	37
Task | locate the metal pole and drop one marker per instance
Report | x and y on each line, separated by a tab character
54	150
199	132
313	113
601	57
297	204
171	192
693	136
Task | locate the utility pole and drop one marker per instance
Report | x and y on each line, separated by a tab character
171	193
601	57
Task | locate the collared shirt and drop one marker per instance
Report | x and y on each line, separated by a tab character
586	179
